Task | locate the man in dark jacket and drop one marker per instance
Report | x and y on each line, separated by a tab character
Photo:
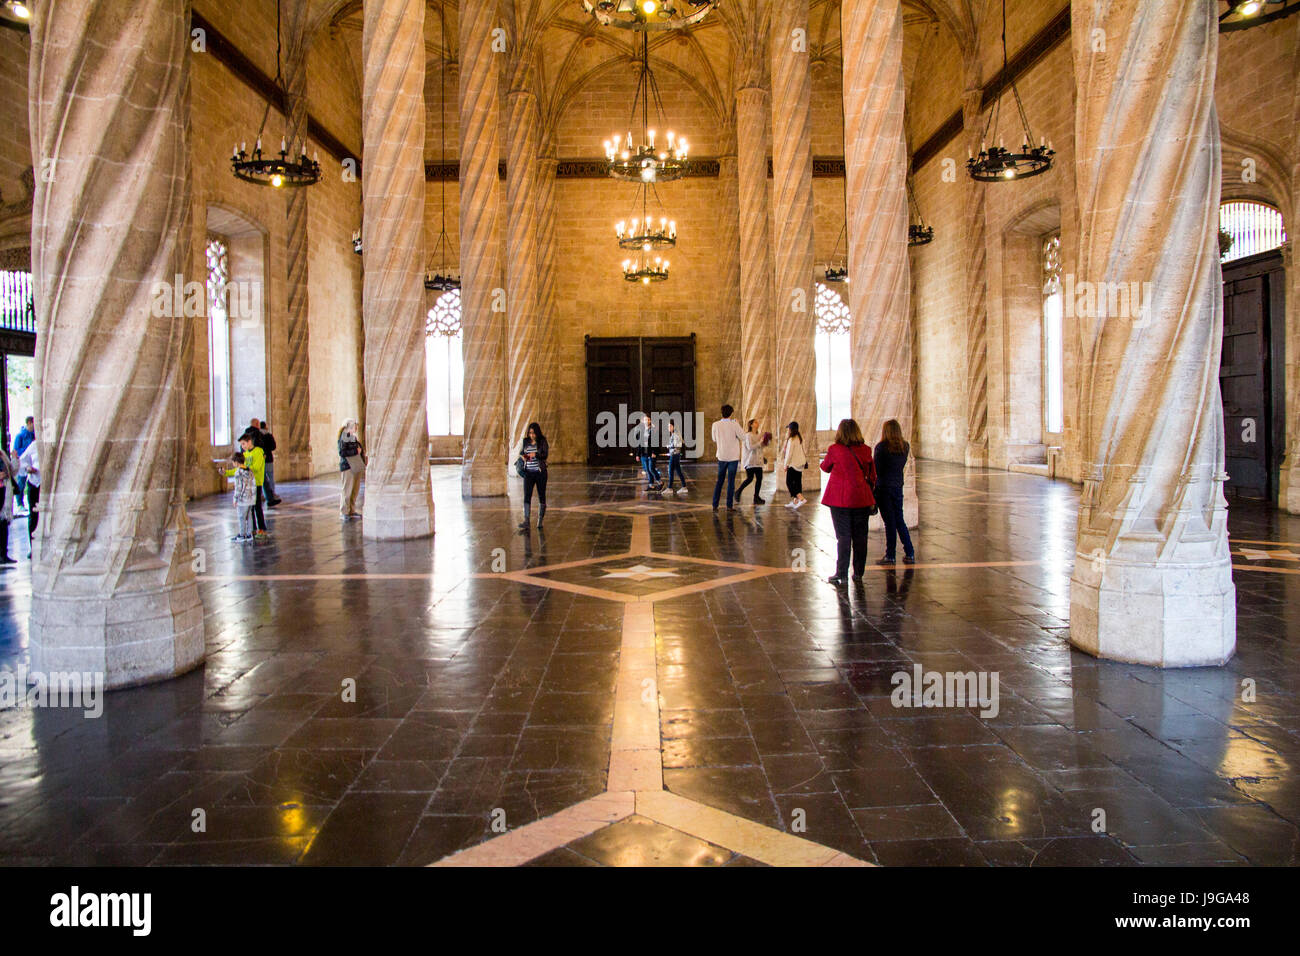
263	439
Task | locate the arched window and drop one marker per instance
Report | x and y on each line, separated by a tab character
1254	227
218	255
446	369
834	371
1053	339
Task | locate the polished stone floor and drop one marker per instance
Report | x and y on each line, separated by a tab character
647	683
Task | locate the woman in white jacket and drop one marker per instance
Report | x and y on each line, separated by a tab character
795	460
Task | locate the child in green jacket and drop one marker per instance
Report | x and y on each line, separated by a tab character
255	461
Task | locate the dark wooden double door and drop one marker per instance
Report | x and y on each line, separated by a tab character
1251	374
630	376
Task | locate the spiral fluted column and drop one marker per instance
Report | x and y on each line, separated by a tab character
875	161
1152	578
397	497
524	339
113	590
295	432
794	316
728	281
549	368
977	307
482	327
1289	492
756	398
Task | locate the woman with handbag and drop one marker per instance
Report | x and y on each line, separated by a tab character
352	468
531	463
849	496
796	460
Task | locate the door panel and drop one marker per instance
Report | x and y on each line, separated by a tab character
627	376
1245	376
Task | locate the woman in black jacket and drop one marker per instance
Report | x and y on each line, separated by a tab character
534	449
891	459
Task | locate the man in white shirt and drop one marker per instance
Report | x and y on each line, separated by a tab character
727	437
29	466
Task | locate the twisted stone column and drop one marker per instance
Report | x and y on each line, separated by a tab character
756	400
548	369
795	314
1289	492
1152	578
297	427
875	162
113	589
397	499
729	363
977	307
524	339
482	327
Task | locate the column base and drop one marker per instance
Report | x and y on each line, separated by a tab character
1288	498
911	504
1174	615
482	479
130	638
977	456
397	516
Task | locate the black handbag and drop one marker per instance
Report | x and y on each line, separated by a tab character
519	466
875	508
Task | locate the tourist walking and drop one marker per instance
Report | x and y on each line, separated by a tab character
794	459
675	450
728	437
646	451
29	467
352	468
891	459
848	494
534	449
752	461
8	486
26	435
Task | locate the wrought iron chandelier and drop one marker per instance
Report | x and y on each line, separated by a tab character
643	160
443	273
1244	14
918	233
996	163
644	270
649	14
270	169
644	234
837	269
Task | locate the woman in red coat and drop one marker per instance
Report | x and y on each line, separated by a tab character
849	495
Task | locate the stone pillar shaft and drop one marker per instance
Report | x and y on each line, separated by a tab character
297	428
729	363
795	313
875	162
482	324
548	369
755	257
524	339
1152	578
397	497
977	308
113	589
